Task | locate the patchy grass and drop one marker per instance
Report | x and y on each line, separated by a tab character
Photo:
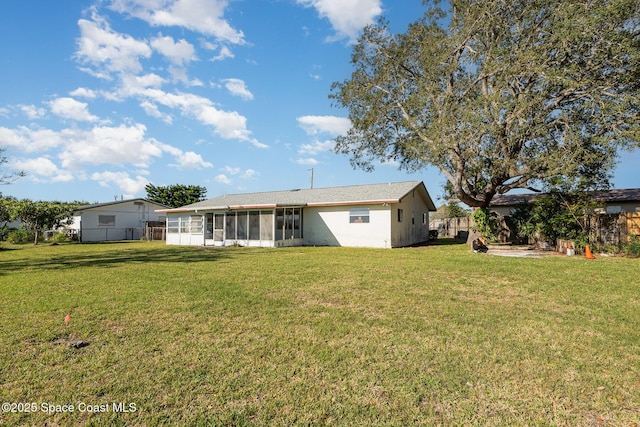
317	336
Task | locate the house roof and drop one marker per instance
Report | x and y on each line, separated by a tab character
117	202
391	192
604	196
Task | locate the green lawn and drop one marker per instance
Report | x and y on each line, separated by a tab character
317	336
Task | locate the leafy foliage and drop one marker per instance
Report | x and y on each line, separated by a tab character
498	95
40	216
175	195
486	222
554	216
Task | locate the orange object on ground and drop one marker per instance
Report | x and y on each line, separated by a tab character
587	253
67	318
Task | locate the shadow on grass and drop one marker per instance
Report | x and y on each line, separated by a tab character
112	254
441	242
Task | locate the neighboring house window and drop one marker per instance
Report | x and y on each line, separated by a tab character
196	224
359	215
613	209
400	215
184	225
173	225
106	220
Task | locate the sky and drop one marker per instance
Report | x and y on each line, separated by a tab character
99	98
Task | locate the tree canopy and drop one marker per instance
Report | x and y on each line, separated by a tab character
41	216
498	94
175	195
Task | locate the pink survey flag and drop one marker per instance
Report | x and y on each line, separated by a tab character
67	318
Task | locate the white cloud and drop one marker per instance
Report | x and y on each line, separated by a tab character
107	50
247	174
108	145
69	108
33	112
238	87
152	110
129	186
203	16
225	53
178	53
42	169
347	17
82	92
332	125
222	179
307	161
30	140
227	124
191	160
317	147
231	171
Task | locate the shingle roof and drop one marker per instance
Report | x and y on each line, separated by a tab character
604	196
353	194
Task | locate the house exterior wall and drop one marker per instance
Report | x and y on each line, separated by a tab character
331	226
414	226
129	220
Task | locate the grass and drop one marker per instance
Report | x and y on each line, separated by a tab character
318	336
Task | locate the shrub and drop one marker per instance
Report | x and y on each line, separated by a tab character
633	246
486	222
21	236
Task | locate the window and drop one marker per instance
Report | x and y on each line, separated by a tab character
288	223
266	225
173	225
209	227
242	225
254	225
184	224
359	215
400	215
196	224
425	218
231	226
107	220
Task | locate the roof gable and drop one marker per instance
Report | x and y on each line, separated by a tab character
330	196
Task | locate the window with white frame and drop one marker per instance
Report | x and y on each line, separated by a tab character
173	225
359	215
196	224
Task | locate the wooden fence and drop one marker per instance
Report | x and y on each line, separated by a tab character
451	227
614	229
156	230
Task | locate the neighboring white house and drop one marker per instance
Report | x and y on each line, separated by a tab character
377	216
117	220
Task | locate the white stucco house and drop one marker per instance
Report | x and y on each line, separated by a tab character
117	220
378	216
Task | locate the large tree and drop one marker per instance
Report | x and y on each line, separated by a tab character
41	216
175	195
498	94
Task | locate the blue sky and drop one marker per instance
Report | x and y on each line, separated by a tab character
100	98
